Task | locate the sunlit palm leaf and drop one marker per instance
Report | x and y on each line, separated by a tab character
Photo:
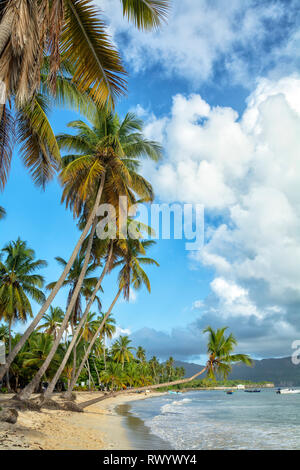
146	14
6	145
40	151
84	41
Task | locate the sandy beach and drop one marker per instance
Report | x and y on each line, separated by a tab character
99	427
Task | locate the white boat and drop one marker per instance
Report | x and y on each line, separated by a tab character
285	391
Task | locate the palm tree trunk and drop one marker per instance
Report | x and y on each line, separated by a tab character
104	353
88	351
57	286
97	373
141	389
28	390
9	350
6	28
73	343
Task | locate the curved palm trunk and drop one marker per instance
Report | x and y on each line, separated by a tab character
57	286
28	390
73	343
141	389
88	351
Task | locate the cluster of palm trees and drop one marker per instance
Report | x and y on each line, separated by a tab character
114	367
58	53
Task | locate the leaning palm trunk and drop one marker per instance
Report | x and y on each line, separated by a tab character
88	351
74	343
57	286
28	390
141	389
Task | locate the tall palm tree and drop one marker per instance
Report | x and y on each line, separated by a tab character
121	350
76	334
52	321
85	45
220	350
89	283
114	375
108	148
141	354
19	282
108	331
130	273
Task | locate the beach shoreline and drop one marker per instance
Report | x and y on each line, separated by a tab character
100	427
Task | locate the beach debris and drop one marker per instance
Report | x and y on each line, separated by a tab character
23	405
50	404
71	406
9	415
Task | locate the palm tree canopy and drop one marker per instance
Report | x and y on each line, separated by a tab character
88	284
111	146
132	273
220	353
121	350
19	281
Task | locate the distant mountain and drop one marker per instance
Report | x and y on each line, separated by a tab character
282	372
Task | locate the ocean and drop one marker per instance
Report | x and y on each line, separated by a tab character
214	420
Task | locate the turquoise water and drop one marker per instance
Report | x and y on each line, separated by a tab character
214	420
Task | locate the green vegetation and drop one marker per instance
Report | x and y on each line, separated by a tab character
66	58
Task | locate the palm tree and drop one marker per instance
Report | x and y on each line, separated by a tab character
131	273
40	346
141	354
71	281
122	351
109	149
83	33
69	28
108	331
52	321
220	359
18	282
114	375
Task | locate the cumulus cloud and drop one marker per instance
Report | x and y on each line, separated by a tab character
202	38
246	171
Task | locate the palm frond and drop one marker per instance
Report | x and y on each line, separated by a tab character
84	42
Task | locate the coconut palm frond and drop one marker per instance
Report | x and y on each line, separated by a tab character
84	42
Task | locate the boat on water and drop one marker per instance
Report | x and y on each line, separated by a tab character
172	392
286	391
256	390
229	392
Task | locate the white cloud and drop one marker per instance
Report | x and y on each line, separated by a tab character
245	170
202	37
197	304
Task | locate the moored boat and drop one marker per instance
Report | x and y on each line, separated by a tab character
286	391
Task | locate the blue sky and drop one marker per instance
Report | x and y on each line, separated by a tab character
219	86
